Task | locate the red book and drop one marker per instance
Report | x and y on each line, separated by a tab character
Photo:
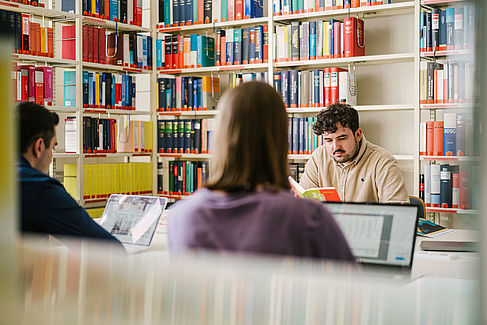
336	39
430	138
96	55
89	31
24	83
32	42
85	42
223	48
113	144
238	9
327	89
266	43
31	82
354	42
107	9
39	86
48	86
37	28
102	39
174	51
218	48
50	42
334	92
455	189
437	138
138	8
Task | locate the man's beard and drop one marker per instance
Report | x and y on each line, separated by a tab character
346	158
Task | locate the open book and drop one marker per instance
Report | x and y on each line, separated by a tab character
427	228
320	194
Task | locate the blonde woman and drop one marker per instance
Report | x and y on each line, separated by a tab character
246	205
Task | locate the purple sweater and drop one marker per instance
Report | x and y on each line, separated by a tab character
259	222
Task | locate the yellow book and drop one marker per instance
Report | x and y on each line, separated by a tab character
148	136
95	213
43	40
97	89
325	38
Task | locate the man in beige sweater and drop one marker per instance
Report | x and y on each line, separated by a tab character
359	170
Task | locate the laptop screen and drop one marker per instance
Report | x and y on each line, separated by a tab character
381	234
133	219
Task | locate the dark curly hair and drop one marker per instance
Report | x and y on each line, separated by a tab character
328	119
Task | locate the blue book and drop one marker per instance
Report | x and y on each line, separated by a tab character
237	46
450	20
85	89
159	54
428	36
89	5
331	39
247	9
149	52
175	12
245	45
445	186
189	11
316	86
295	135
422	27
189	89
251	45
285	87
450	134
70	88
277	82
182	12
161	94
260	41
173	93
257	9
200	92
302	128
91	93
169	94
124	91
167	12
312	40
68	6
442	30
293	91
290	135
229	41
113	9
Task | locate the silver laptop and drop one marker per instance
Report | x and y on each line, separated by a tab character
381	236
133	219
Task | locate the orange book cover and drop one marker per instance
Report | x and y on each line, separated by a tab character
438	138
429	138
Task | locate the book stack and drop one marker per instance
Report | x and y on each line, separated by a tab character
286	7
108	90
451	137
185	51
35	3
242	46
191	12
30	37
184	136
236	79
31	83
315	88
124	11
296	170
302	139
447	186
446	81
102	180
187	93
99	135
447	29
302	41
181	177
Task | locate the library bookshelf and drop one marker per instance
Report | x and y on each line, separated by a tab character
384	100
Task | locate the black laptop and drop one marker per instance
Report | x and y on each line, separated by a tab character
381	236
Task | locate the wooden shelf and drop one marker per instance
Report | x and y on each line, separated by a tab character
211	112
369	11
62	109
185	155
65	155
433	54
208	27
37	11
449	210
105	67
44	59
96	111
447	106
117	155
219	69
359	60
451	158
113	25
397	107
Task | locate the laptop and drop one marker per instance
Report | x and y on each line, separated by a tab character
133	219
381	236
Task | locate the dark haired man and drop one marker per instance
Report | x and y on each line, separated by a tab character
45	206
359	170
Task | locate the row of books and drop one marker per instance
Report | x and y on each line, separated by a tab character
126	49
236	79
447	29
192	12
320	39
231	47
31	83
451	137
187	93
296	170
286	7
446	81
446	186
316	88
181	177
302	139
123	11
35	3
108	90
102	180
30	37
184	136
